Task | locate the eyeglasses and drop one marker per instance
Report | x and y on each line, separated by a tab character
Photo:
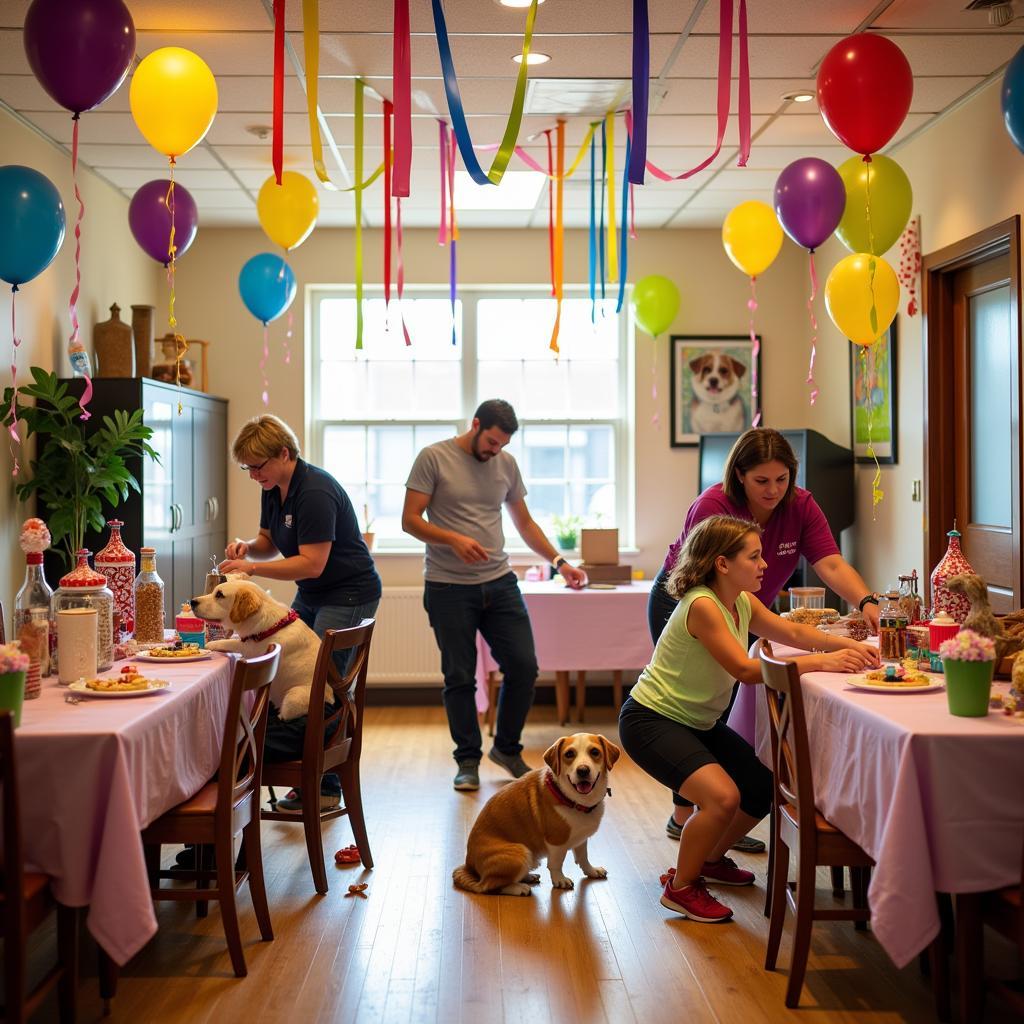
253	469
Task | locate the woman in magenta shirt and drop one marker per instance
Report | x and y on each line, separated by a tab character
759	483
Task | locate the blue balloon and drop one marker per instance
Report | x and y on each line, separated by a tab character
32	219
267	286
1013	99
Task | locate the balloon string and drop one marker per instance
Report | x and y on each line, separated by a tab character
291	321
755	353
12	423
76	351
180	345
872	263
814	330
867	372
263	364
655	418
400	267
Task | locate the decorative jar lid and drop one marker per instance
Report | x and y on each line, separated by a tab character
115	553
82	576
35	537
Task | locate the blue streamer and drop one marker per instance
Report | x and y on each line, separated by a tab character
641	84
604	143
624	233
593	241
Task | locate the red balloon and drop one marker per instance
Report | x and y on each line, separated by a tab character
865	86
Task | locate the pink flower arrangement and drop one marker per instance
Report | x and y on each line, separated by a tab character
35	536
12	659
968	646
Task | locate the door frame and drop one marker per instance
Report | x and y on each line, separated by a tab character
942	421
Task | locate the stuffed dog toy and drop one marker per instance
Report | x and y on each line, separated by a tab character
544	814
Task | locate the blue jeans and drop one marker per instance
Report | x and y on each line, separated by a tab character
285	740
457	611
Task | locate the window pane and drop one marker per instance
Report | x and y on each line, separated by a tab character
545	453
545	389
593	389
342	390
515	328
345	453
438	389
501	379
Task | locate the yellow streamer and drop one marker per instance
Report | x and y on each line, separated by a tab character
559	236
613	249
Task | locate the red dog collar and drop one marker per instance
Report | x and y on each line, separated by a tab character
280	624
560	797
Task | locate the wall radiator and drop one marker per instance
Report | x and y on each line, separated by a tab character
404	652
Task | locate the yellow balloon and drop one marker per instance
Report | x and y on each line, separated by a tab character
752	237
288	211
857	285
889	196
173	97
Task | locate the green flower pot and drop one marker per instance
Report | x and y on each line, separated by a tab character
12	693
968	686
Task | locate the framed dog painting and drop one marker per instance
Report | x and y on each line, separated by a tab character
711	386
873	381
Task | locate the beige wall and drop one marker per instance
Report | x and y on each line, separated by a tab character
114	269
714	296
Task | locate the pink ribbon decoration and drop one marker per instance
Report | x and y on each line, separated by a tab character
263	366
288	338
12	423
442	229
77	354
755	353
400	266
814	330
277	142
401	75
388	108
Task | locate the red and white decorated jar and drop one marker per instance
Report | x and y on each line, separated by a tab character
117	563
953	563
85	588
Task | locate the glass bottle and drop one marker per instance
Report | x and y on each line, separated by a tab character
149	600
32	621
910	600
83	587
892	629
117	563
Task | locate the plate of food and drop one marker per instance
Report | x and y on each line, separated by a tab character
175	652
897	679
128	683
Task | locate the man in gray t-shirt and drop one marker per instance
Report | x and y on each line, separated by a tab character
461	485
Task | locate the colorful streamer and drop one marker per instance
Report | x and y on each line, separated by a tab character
277	146
442	227
551	211
550	173
559	235
400	267
453	229
360	87
401	72
814	330
311	46
388	108
592	247
77	355
601	208
867	372
609	170
624	233
755	352
458	114
641	85
12	422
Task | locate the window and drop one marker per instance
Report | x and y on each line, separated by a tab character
373	410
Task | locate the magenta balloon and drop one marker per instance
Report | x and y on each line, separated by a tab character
809	201
150	220
80	50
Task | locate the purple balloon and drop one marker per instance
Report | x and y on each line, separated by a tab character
80	50
150	220
809	201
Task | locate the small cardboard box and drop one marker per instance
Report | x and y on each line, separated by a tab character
599	547
608	573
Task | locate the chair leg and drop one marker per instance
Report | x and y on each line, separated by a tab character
617	689
204	863
352	793
15	982
225	892
938	968
109	973
970	956
801	933
838	884
770	876
562	696
67	947
493	685
778	877
151	852
859	889
252	850
581	694
314	839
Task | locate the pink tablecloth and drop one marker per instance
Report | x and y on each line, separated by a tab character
936	800
92	775
573	630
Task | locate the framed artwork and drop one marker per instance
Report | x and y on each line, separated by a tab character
711	386
873	383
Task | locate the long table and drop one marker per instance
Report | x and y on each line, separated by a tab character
933	798
92	775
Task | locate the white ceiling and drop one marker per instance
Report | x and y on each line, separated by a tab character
952	52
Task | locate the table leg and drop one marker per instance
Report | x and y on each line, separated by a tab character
562	696
581	694
970	955
617	689
108	975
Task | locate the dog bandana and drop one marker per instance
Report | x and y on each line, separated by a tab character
560	797
280	624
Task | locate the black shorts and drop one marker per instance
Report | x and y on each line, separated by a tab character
671	752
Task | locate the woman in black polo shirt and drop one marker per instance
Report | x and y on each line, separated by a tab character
307	519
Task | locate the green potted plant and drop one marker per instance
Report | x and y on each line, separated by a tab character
75	471
566	531
968	662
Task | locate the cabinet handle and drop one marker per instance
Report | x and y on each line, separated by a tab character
208	514
174	517
216	507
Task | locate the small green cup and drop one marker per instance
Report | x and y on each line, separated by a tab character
968	686
12	694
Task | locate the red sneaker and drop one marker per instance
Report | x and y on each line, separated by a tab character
726	872
695	902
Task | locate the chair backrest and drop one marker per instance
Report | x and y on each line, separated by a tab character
349	696
3	634
245	728
791	759
11	865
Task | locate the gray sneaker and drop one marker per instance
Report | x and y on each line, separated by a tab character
468	775
512	763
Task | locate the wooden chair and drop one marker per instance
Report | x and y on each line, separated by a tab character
561	698
25	902
340	753
799	826
223	808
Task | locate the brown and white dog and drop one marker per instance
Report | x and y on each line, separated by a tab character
716	404
544	814
258	620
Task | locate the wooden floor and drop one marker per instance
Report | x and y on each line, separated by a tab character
418	950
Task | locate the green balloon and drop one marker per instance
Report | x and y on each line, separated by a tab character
655	303
891	201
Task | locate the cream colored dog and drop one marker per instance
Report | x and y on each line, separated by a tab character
546	813
258	620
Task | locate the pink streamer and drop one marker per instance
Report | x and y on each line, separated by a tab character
442	230
814	330
744	93
755	352
12	423
263	366
288	338
400	266
73	302
402	79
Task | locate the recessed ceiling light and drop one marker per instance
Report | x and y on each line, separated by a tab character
518	190
517	3
798	97
533	58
